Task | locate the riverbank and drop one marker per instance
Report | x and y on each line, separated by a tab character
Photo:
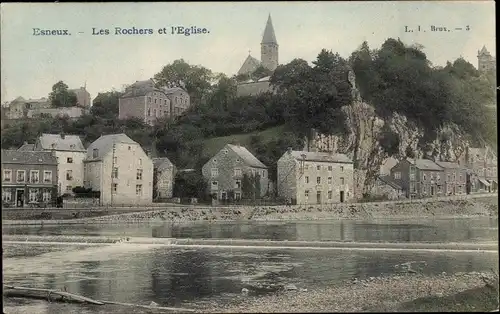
413	292
470	206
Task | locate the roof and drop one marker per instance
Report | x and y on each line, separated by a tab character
71	143
484	50
425	164
388	180
247	156
448	165
105	144
172	90
28	158
320	156
484	182
26	147
269	37
265	79
249	65
161	162
140	88
40	100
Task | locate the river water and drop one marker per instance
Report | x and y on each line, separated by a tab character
190	276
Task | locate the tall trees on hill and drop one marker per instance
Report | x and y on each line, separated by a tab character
61	96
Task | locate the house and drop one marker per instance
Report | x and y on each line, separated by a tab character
164	175
82	97
482	163
386	187
120	170
419	177
179	100
315	177
28	177
455	177
387	164
70	154
231	170
19	107
145	101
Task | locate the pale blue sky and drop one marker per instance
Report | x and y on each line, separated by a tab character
32	64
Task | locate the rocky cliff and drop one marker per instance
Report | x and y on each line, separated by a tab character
362	142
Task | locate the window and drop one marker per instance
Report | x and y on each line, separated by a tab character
149	112
139	174
138	189
454	177
6	195
225	151
342	181
165	101
215	172
448	177
412	176
155	100
318	180
69	188
329	180
129	148
306	193
140	161
412	187
330	195
306	167
397	175
114	175
330	168
215	161
341	168
33	195
47	176
237	160
69	160
438	177
307	179
253	172
215	185
423	188
263	173
115	188
154	112
7	175
34	176
237	172
149	99
237	196
424	177
115	160
46	196
318	168
460	177
237	184
69	175
95	153
21	175
439	189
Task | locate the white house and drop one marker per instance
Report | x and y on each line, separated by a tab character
70	154
119	168
315	177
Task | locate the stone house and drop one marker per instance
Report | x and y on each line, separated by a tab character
82	97
164	176
19	107
419	177
455	178
179	100
28	177
386	187
225	172
315	177
145	101
482	163
119	168
70	153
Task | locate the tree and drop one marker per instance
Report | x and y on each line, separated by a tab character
61	96
105	105
261	72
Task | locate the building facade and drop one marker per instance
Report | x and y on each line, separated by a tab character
225	173
419	177
82	97
164	176
70	112
120	170
144	101
70	154
315	177
19	107
179	100
385	187
28	178
486	62
455	178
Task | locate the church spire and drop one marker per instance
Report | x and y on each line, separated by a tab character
269	37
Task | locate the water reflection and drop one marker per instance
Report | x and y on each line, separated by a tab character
451	230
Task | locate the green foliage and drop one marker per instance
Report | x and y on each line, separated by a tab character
389	141
261	72
105	105
61	96
250	186
190	184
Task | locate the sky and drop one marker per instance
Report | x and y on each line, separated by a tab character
31	64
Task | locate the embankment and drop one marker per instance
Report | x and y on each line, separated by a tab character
477	205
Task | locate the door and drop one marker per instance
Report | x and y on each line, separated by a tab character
318	197
342	196
223	196
20	198
432	190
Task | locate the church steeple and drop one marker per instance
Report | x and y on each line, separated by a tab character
269	47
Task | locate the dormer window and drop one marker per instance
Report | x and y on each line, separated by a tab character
95	153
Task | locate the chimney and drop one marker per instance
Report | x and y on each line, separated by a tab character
289	150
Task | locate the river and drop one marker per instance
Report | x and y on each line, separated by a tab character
189	276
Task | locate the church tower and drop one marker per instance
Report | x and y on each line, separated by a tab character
486	62
269	47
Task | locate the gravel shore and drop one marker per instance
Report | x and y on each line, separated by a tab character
384	294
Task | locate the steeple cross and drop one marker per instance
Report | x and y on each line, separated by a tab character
249	51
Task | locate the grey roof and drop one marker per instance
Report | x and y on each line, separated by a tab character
484	50
71	143
28	158
247	156
448	165
140	88
269	37
27	147
105	144
320	156
388	180
249	65
171	90
161	162
425	164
